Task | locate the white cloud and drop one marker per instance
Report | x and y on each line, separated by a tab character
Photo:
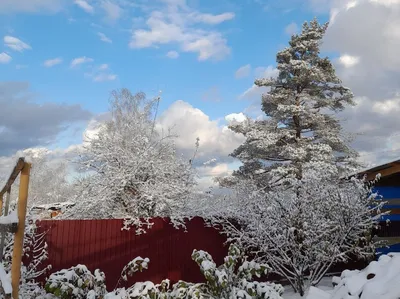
112	10
255	92
172	54
388	3
348	60
103	67
386	106
104	77
104	38
52	62
85	6
291	29
238	117
15	44
189	123
80	60
266	72
5	58
369	65
175	24
351	4
243	71
212	19
101	73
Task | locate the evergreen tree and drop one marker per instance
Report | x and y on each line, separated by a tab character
300	132
291	207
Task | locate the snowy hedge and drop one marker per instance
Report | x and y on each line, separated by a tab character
231	280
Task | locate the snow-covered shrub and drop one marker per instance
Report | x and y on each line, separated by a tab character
142	290
301	233
76	282
135	265
234	278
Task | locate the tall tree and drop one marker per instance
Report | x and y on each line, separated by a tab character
299	132
135	171
294	207
48	178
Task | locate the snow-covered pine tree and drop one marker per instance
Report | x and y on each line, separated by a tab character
133	168
299	131
293	207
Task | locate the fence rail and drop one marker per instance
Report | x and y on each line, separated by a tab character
21	169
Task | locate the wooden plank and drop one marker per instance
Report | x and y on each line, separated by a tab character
388	240
391	169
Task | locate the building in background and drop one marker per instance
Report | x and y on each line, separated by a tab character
48	211
388	186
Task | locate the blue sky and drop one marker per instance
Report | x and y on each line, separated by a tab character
60	59
253	36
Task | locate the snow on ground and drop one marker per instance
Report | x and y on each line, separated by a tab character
379	280
5	280
324	289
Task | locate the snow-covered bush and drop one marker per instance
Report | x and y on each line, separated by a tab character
135	265
234	278
231	280
300	233
76	282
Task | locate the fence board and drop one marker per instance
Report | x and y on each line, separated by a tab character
101	244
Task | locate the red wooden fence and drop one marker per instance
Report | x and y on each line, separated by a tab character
101	244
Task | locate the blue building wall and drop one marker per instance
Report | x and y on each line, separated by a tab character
392	196
388	192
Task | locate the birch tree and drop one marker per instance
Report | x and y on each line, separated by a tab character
134	169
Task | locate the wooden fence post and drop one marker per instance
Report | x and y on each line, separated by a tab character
19	235
4	233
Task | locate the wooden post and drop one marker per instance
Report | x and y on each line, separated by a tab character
1	204
19	235
8	197
4	233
